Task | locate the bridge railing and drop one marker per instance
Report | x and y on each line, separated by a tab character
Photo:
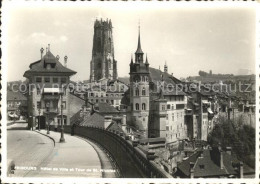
131	160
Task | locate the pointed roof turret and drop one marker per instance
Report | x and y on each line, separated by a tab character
146	60
139	49
132	59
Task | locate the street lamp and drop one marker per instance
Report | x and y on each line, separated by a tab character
39	119
61	111
47	113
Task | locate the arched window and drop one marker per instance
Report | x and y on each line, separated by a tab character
143	106
136	92
143	91
137	106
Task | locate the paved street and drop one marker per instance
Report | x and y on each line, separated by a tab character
36	156
27	148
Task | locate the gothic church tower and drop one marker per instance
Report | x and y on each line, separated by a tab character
103	65
139	90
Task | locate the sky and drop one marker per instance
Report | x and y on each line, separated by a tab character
187	39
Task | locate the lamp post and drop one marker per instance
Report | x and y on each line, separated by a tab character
47	113
61	111
39	119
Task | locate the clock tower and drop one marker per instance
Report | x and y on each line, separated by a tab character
139	90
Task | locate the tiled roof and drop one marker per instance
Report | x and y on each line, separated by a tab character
95	119
210	168
38	66
206	167
103	107
184	166
11	95
114	126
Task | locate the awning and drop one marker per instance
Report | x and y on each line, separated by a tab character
210	111
196	104
205	101
51	90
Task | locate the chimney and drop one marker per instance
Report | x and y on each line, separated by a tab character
241	170
41	52
191	170
65	61
192	173
221	159
123	121
49	48
58	57
229	150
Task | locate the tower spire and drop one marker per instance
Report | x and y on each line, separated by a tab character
139	49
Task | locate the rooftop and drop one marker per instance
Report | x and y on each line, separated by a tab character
41	66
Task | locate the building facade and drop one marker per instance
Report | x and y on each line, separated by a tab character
48	95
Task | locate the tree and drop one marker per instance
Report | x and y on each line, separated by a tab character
240	138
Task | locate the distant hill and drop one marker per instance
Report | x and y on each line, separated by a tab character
223	78
124	80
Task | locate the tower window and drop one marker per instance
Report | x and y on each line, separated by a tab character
137	106
143	91
143	106
136	92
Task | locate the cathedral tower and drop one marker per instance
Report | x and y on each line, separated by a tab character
139	90
103	64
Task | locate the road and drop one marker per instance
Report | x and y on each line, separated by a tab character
27	148
36	155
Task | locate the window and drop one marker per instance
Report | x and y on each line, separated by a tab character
55	80
201	166
65	121
64	104
172	107
136	92
91	94
96	100
163	107
143	119
63	80
38	79
39	105
136	106
143	91
38	91
168	107
166	116
47	79
143	106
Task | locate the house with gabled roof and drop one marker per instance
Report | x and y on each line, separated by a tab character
48	96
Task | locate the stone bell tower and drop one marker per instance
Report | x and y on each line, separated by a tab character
139	90
103	64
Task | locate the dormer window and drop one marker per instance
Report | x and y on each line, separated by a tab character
202	166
